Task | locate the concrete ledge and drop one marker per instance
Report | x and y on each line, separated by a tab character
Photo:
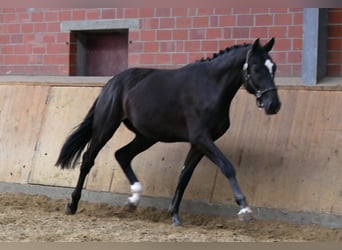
328	83
196	207
110	24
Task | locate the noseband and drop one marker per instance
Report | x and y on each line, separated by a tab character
247	82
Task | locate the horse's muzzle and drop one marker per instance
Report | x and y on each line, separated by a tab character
272	107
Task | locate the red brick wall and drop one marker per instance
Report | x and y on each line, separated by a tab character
31	41
335	42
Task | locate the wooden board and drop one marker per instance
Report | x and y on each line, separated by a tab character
21	112
65	109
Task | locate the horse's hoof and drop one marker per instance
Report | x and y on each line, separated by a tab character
130	207
68	210
246	214
176	221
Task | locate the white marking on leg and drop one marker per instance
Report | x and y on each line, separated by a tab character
245	210
269	66
136	190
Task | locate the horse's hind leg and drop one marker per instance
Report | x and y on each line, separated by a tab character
88	159
124	156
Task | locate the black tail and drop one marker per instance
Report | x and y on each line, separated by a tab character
76	142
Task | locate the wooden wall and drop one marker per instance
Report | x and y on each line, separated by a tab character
291	160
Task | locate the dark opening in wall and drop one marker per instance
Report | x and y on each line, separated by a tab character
98	52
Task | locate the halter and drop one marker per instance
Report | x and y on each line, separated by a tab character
248	82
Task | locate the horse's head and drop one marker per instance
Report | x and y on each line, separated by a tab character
258	76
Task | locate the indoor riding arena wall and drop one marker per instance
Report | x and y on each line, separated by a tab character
288	162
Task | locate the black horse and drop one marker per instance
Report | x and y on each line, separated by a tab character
189	104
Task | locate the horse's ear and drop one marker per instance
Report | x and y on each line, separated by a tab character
268	46
256	44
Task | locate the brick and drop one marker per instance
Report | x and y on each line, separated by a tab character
51	16
19	49
195	34
148	35
223	11
180	34
163	12
213	21
136	47
10	59
295	31
164	34
241	10
335	57
13	28
335	17
294	57
259	32
335	30
16	38
10	18
147	58
56	59
241	32
283	44
210	46
183	22
227	21
179	58
56	48
245	20
166	23
146	12
151	47
334	44
133	59
200	22
40	27
262	20
163	59
131	12
283	19
297	44
191	46
168	46
65	15
92	14
205	11
134	35
53	27
37	16
4	38
213	33
7	49
78	14
38	49
49	38
22	59
27	27
150	23
279	31
298	18
192	57
227	33
179	12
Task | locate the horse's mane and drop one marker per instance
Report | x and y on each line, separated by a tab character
224	51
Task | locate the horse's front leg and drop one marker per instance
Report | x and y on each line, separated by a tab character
192	159
215	155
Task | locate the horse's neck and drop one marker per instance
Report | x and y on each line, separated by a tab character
228	68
